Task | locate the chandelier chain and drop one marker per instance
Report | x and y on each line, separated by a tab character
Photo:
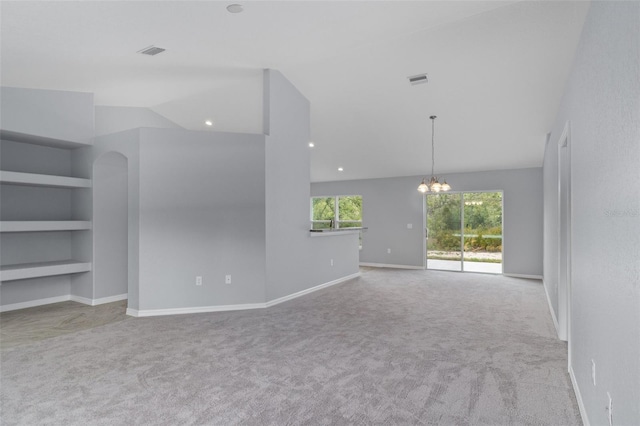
433	155
434	184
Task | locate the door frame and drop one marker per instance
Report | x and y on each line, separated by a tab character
426	230
564	236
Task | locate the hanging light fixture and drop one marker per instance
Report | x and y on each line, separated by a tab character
434	184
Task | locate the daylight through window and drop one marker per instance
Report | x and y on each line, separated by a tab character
343	211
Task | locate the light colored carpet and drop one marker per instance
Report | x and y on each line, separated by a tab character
26	326
389	348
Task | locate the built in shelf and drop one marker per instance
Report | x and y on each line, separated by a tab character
44	225
42	269
33	179
9	135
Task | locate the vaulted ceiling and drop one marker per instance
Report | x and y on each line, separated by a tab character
496	71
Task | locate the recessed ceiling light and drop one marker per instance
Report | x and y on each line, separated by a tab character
340	169
209	123
235	8
311	144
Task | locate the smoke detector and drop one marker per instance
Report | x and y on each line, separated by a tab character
418	79
151	50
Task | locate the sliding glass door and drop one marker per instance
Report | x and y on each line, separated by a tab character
464	231
444	220
482	212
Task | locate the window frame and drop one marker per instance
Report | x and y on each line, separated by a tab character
336	211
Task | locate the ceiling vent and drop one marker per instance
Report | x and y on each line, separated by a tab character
418	79
151	50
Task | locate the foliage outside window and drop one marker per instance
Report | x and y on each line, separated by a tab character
341	211
482	233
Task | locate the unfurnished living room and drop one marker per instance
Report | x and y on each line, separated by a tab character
320	212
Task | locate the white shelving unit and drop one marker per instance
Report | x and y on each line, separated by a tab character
44	225
42	269
38	140
18	270
34	179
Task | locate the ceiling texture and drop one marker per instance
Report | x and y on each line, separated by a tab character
496	71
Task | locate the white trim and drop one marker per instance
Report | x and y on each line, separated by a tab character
527	276
44	225
240	307
553	314
576	390
100	301
22	271
192	310
33	303
311	290
336	232
564	283
387	265
80	299
33	179
109	299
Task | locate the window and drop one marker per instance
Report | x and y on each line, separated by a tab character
343	211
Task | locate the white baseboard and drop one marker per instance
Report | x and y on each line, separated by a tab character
57	299
100	301
576	390
529	277
33	303
241	307
193	310
553	314
387	265
311	290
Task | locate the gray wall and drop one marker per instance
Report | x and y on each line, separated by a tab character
113	119
21	291
602	104
197	204
110	217
295	261
201	214
389	204
49	113
126	143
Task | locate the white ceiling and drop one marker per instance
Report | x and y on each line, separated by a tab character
496	71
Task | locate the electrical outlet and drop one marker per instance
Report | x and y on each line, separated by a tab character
198	280
610	409
409	225
227	279
331	262
593	372
388	251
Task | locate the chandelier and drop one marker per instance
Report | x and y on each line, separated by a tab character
434	184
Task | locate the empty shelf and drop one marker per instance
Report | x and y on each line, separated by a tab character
33	179
48	225
39	140
42	269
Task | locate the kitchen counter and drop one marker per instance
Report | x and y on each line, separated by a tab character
334	231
